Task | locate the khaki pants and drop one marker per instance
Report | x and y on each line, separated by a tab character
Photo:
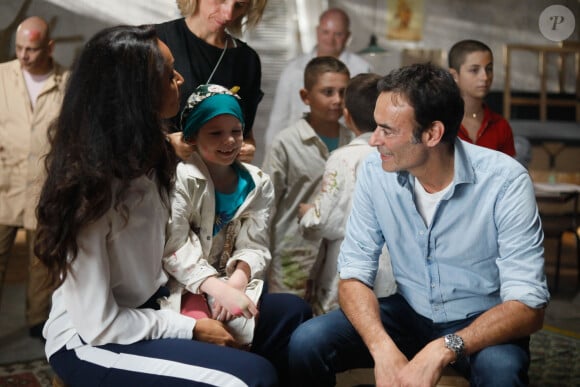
38	294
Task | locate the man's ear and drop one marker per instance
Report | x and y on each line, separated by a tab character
454	74
50	47
347	117
434	134
304	96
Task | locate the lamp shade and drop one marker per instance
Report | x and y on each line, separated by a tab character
373	47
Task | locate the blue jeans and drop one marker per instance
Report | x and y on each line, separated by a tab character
329	344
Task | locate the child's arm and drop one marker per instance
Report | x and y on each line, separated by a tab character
251	254
184	258
241	276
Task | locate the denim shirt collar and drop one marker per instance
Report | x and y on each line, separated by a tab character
462	171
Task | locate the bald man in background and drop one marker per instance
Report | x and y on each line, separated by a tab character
332	35
31	91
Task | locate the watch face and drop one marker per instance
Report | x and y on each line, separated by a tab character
455	343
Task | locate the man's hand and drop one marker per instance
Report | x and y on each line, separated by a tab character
361	307
213	332
387	368
182	149
426	367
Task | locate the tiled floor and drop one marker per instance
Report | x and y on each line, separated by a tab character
562	313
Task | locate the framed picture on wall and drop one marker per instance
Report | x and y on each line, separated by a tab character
405	19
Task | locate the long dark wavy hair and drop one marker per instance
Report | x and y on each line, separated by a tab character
108	133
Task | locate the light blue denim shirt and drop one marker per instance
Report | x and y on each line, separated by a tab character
484	245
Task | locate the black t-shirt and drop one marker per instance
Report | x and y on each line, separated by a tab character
195	60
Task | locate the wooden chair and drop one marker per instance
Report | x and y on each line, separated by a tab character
543	100
556	222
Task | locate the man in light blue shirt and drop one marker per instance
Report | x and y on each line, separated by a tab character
464	233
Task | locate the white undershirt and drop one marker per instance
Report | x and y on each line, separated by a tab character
34	84
427	202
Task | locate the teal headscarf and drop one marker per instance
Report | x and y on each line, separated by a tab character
205	103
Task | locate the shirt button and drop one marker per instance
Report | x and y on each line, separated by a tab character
208	238
433	285
421	232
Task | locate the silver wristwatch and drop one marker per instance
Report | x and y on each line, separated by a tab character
455	343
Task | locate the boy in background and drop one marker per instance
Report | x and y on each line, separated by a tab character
471	65
327	217
295	163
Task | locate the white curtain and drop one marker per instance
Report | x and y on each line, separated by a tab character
307	14
303	13
133	12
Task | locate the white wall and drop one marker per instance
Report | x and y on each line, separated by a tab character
66	25
495	22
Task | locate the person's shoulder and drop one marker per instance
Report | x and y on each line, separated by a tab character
192	169
61	75
290	131
496	118
299	62
256	172
490	161
371	167
351	151
10	65
169	25
289	134
170	30
245	49
60	69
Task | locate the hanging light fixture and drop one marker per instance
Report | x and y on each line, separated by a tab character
373	48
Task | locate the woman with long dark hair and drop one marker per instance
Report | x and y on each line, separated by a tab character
101	230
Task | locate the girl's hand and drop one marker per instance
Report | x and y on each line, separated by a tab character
224	296
229	302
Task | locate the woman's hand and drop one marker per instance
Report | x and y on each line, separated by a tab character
182	149
247	152
213	332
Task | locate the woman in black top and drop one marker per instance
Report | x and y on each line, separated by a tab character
205	52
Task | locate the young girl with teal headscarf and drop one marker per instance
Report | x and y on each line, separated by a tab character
217	236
